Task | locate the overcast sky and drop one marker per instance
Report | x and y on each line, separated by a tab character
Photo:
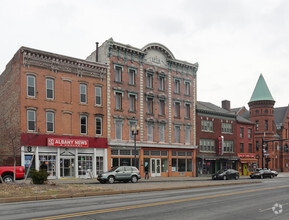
232	40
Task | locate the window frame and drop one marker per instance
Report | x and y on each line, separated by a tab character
81	125
177	135
118	101
82	85
98	95
101	124
131	76
150	80
47	89
34	85
53	121
34	121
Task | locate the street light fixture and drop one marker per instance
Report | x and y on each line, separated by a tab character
134	132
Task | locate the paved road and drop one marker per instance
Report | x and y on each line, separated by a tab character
249	201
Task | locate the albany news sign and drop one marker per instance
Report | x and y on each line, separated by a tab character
60	142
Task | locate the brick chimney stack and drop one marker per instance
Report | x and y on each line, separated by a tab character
226	104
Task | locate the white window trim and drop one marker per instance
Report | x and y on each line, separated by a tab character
101	121
85	124
80	85
52	122
100	95
34	111
52	88
34	78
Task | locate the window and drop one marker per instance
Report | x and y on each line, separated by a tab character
118	129
149	105
177	83
177	109
161	83
83	93
132	124
83	124
266	125
99	165
187	88
84	164
150	80
131	76
150	132
187	111
177	134
162	132
228	146
249	133
207	145
50	121
118	101
207	125
98	125
118	74
132	99
49	88
241	148
31	120
98	95
187	135
162	107
250	148
227	128
31	86
241	132
257	145
257	125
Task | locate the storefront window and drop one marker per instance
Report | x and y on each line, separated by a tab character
174	165
164	165
125	162
189	165
84	165
50	162
99	165
181	165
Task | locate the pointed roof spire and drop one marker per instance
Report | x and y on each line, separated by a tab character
261	91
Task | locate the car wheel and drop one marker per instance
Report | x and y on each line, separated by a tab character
236	177
225	178
110	179
7	179
134	179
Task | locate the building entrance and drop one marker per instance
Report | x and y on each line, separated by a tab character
155	167
67	167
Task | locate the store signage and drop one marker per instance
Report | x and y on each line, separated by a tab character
60	142
247	156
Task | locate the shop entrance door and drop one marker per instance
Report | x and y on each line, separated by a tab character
155	167
67	167
245	169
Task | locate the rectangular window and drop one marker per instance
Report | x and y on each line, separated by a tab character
162	132
118	101
118	74
131	75
249	133
31	120
49	88
177	109
98	126
250	148
83	93
84	164
118	130
149	80
228	146
150	132
50	121
187	111
266	125
187	88
31	86
177	134
207	145
132	103
241	148
83	124
241	132
99	165
162	107
257	145
150	105
98	95
227	128
161	83
207	125
188	135
177	86
257	125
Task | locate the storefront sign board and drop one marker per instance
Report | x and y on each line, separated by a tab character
61	142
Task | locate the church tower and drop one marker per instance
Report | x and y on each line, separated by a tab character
261	107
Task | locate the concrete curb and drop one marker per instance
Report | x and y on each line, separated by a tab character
87	194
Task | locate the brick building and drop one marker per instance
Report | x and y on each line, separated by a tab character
53	112
150	89
215	126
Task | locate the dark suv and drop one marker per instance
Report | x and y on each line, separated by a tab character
122	173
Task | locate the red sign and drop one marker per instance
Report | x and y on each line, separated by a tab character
248	155
59	142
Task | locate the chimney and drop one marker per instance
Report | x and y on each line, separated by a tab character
226	105
96	52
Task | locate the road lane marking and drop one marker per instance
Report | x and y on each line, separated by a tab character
270	209
153	204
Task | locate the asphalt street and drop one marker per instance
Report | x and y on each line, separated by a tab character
266	200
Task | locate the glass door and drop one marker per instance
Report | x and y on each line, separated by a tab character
155	167
67	167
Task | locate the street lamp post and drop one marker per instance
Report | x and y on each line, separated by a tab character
134	132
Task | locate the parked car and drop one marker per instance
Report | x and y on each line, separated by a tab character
226	174
273	171
121	173
265	173
7	173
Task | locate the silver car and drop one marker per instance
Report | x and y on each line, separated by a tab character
121	173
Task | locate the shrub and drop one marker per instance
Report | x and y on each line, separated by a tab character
39	177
